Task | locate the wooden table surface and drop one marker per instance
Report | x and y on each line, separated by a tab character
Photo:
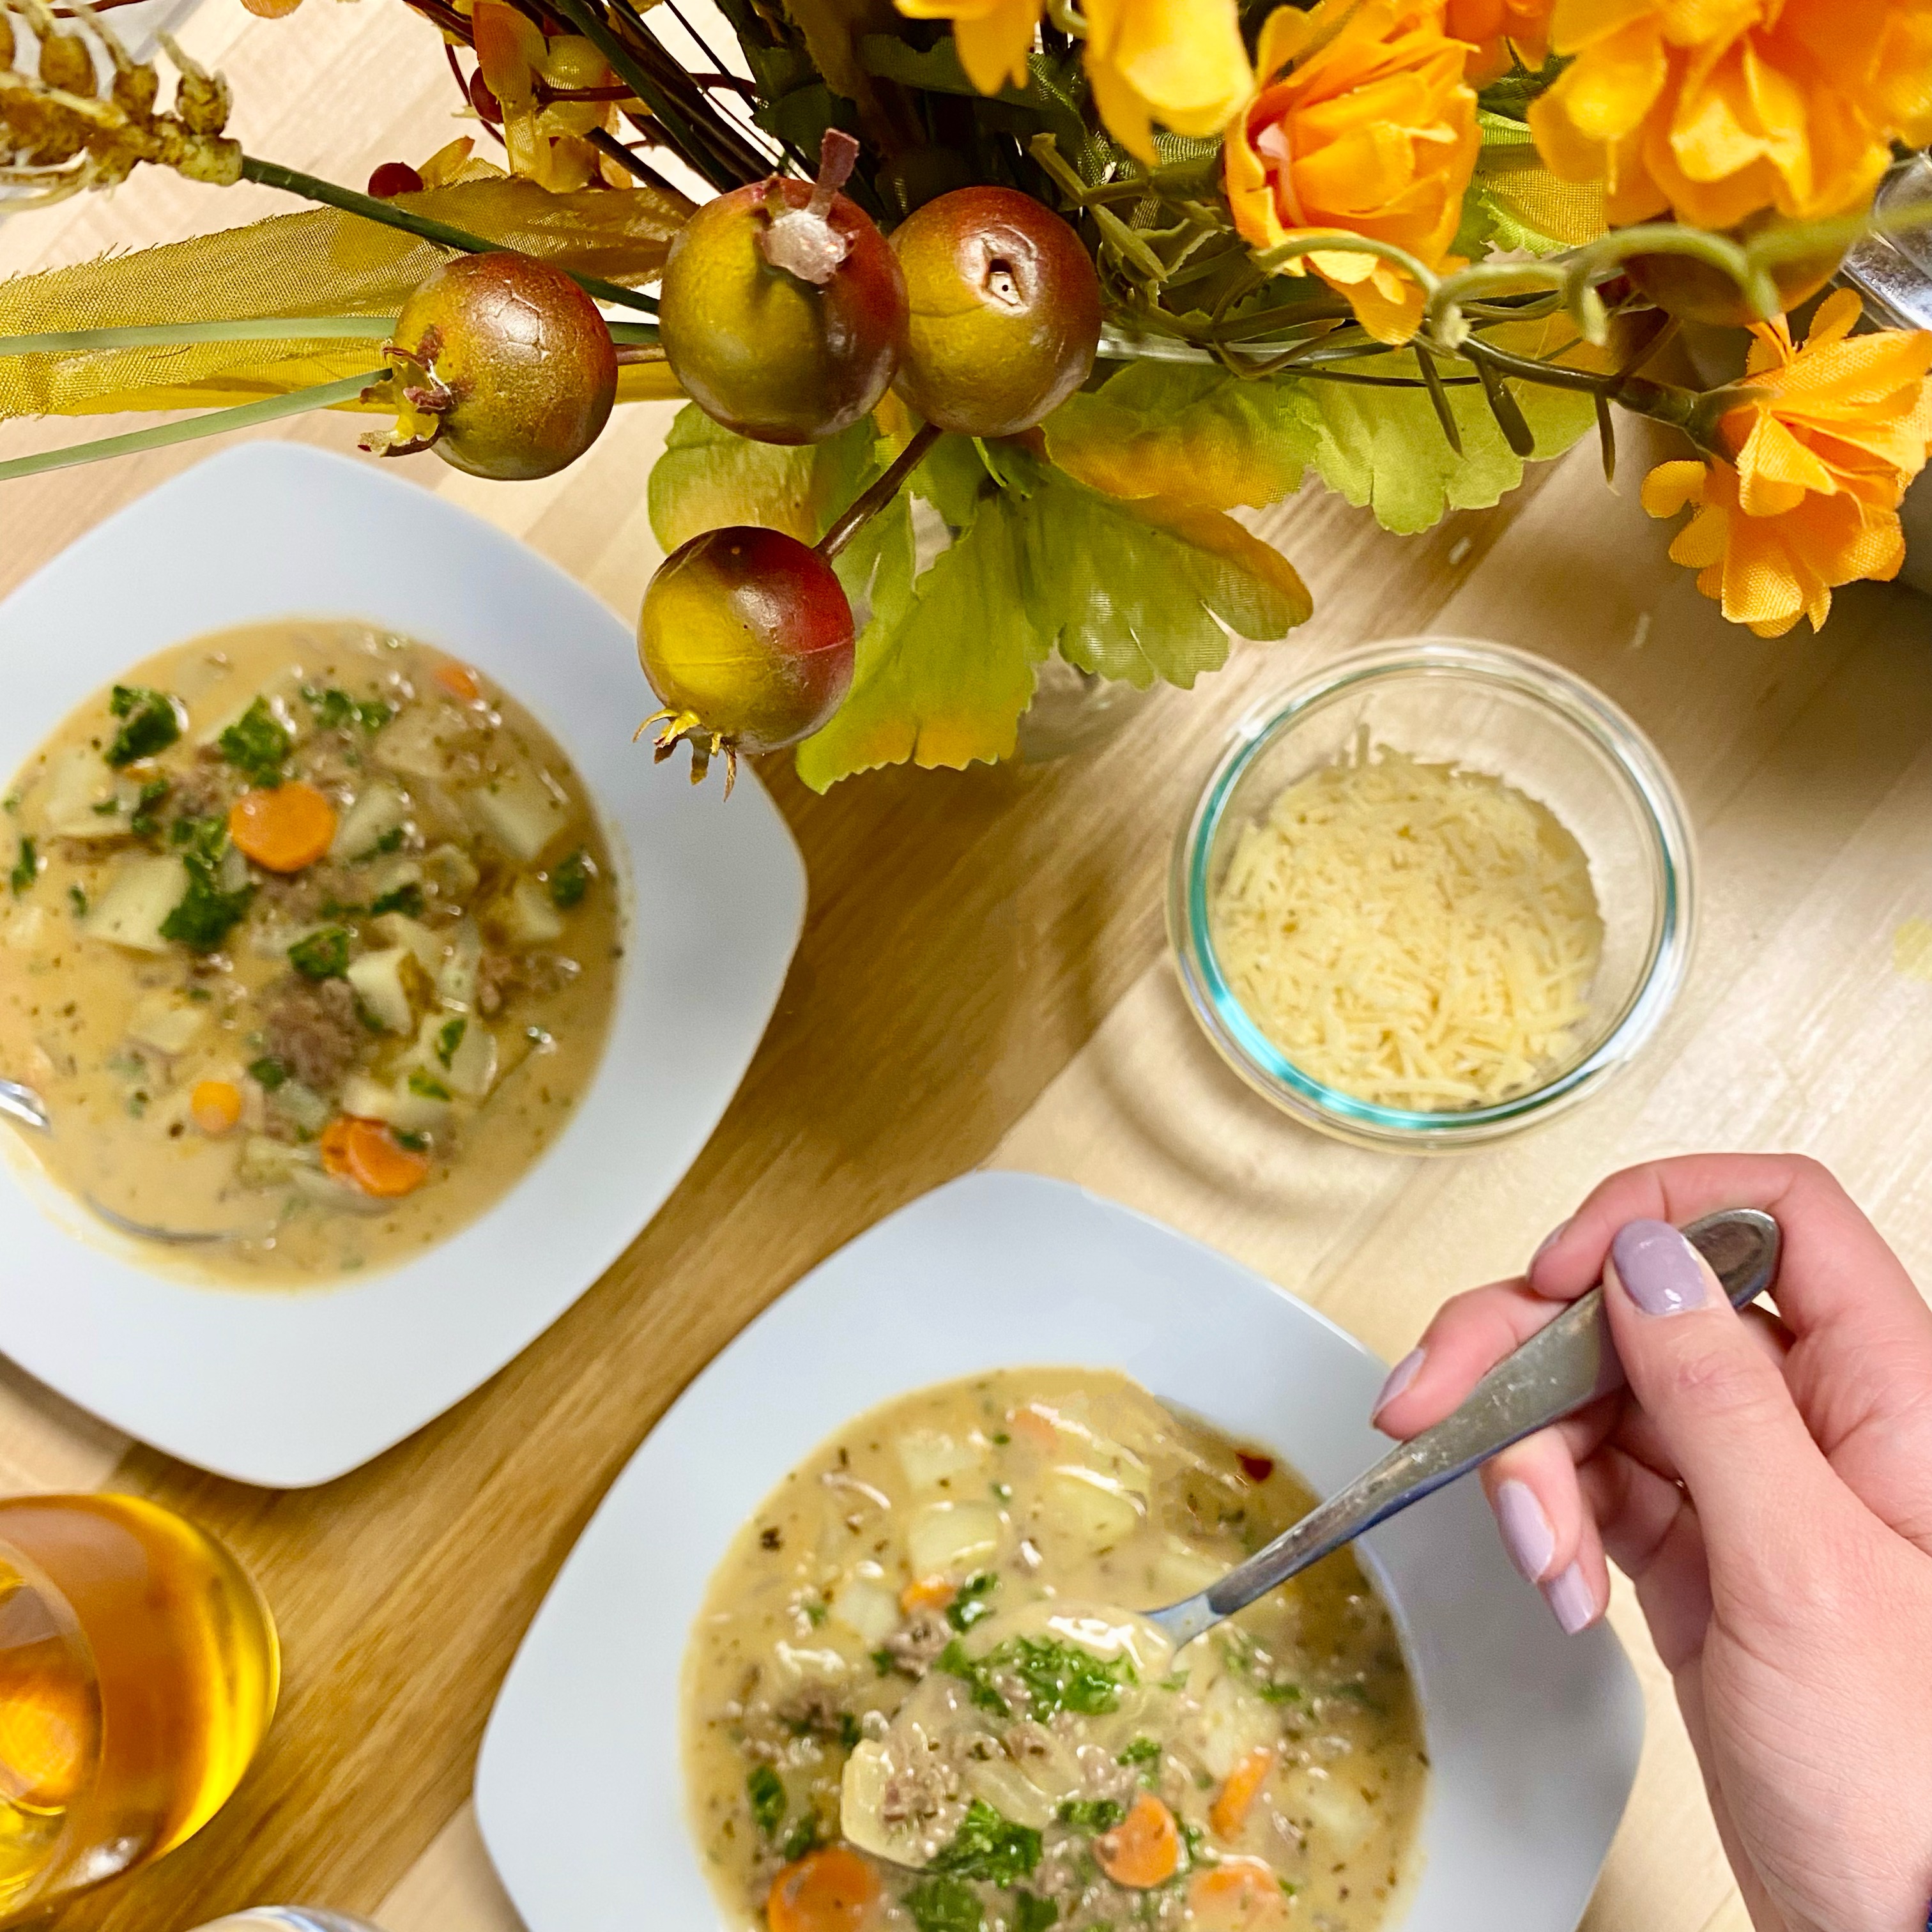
982	981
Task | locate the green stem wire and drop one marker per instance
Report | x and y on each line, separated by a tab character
701	153
215	422
180	334
248	328
312	187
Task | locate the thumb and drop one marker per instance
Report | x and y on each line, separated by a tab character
1719	1404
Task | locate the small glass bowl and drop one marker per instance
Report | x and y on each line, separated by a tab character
1489	708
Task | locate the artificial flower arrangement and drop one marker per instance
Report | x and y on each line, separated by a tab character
1074	279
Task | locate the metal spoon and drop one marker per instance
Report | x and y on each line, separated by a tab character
21	1103
1559	1368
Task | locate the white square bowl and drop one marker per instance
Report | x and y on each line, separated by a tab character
1533	1736
289	1388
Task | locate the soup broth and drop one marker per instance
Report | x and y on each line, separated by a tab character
913	1691
311	939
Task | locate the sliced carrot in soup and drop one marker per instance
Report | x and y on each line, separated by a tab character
1235	1799
831	1890
283	829
1237	1895
1143	1850
367	1153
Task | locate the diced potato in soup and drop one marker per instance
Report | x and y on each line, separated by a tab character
283	864
923	1651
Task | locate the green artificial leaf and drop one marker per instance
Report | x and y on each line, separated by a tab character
942	672
1514	202
1181	429
1052	98
877	566
1385	448
1508	97
1132	589
833	31
954	479
707	478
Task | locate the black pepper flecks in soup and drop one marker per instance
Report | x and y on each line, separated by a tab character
913	1700
310	936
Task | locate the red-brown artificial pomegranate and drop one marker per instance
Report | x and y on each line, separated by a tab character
504	367
1003	311
782	310
746	637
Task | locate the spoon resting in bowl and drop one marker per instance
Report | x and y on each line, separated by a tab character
19	1103
1556	1372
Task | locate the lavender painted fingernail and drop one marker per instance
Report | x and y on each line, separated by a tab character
1549	1241
1570	1600
1527	1535
1399	1377
1658	1268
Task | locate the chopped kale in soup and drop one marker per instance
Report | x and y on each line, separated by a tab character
311	938
913	1699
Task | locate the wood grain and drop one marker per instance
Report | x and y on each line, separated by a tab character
981	978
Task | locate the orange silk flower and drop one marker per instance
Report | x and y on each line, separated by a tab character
1178	62
1364	122
1713	110
1819	461
1502	32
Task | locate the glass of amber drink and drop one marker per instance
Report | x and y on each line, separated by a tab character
138	1671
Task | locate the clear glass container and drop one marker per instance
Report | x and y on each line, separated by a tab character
1489	708
138	1669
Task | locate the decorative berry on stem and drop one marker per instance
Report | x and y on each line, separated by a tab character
782	309
746	637
804	241
1004	311
504	368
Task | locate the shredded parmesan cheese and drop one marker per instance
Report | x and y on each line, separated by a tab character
1416	935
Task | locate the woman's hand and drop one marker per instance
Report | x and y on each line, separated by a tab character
1767	1484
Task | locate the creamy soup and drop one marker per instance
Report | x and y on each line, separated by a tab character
311	938
913	1698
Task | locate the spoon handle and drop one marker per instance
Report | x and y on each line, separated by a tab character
22	1104
1567	1363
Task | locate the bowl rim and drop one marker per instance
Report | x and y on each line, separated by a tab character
1647	779
288	1387
1534	1737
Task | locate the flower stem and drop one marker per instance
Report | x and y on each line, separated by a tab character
176	334
215	422
697	142
864	507
292	181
